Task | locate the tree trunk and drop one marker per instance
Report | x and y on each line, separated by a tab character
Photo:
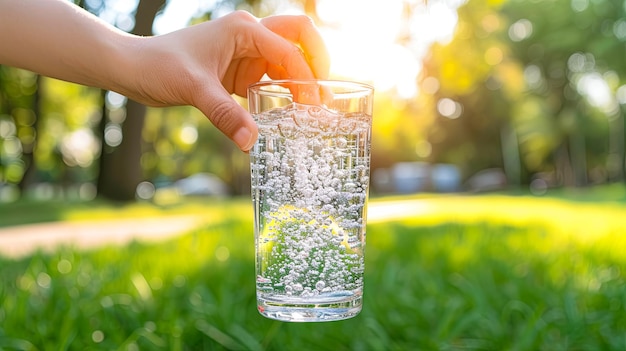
120	169
578	153
563	166
511	156
616	158
28	156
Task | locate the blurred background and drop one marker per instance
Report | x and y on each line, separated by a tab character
470	96
498	205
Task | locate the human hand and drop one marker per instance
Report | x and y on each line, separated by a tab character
203	64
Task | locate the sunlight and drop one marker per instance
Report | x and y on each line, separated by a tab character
384	45
597	91
362	44
369	42
189	134
79	148
435	22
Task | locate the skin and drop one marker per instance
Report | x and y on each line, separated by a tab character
201	65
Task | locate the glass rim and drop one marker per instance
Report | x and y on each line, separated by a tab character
347	84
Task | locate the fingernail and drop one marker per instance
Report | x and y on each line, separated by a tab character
243	138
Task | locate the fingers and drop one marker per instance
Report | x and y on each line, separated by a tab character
282	53
301	31
228	116
284	47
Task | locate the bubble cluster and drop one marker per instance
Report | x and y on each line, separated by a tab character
310	178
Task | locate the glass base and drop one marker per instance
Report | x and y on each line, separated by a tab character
309	310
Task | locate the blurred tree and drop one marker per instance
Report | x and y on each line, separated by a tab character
29	139
398	126
471	82
534	80
66	145
120	166
560	43
42	130
19	105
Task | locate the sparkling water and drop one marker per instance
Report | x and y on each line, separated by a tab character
310	178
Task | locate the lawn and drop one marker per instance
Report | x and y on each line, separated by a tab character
490	272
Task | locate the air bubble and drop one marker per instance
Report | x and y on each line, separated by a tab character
309	195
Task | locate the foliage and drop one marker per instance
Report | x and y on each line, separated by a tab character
476	79
526	65
397	128
181	141
72	112
17	92
482	273
558	50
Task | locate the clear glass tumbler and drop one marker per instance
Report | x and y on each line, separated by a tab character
310	173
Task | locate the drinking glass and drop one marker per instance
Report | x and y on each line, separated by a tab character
310	171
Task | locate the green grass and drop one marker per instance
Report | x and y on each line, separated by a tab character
467	273
32	211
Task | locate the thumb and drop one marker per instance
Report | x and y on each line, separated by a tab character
228	116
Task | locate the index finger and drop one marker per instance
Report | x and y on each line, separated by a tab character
300	30
281	54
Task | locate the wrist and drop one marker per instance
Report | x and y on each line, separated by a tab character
122	64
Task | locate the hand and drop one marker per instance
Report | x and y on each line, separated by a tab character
200	65
203	64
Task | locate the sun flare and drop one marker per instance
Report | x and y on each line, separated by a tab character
371	41
383	44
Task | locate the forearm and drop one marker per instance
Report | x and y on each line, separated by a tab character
57	39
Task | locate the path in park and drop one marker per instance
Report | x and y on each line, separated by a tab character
22	240
19	241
